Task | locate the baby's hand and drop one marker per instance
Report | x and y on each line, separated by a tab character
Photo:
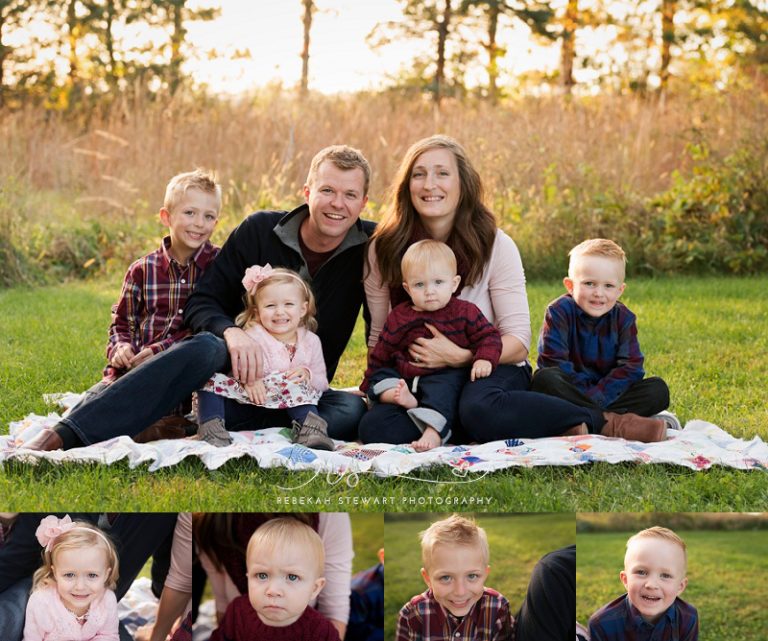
257	393
480	369
298	375
121	357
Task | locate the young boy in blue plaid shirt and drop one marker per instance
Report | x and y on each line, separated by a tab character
588	348
456	606
654	576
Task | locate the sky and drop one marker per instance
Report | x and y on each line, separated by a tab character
271	32
340	58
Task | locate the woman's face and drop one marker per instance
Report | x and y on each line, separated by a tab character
435	186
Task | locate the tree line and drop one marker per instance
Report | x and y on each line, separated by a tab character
75	49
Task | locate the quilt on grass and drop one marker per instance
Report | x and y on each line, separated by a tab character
698	446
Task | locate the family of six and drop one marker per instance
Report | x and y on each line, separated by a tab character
443	294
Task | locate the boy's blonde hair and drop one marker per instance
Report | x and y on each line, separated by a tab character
281	533
658	532
455	530
81	535
279	276
427	252
597	247
200	179
343	157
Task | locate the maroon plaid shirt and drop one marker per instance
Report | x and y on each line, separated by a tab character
149	312
424	619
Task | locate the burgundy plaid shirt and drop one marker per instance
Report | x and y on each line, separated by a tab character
424	619
150	310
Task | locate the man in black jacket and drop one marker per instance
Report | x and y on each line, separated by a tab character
324	240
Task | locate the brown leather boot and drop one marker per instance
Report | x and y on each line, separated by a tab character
634	428
578	430
168	427
45	441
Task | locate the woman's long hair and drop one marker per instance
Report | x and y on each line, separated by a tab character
473	230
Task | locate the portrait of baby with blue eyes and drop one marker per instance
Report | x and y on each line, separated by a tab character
285	562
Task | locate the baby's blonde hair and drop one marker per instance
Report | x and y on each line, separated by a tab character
427	252
663	533
455	530
282	533
597	247
81	535
279	276
200	179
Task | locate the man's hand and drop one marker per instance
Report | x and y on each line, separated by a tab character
245	355
256	392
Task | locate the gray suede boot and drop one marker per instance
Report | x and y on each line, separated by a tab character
214	431
313	433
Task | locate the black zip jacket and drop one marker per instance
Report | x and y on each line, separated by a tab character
272	237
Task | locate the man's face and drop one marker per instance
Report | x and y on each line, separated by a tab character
335	198
456	575
654	575
281	583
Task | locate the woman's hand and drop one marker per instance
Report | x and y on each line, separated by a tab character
438	352
121	357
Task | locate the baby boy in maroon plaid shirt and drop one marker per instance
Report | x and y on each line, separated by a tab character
456	605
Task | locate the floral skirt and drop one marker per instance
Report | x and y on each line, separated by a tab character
281	392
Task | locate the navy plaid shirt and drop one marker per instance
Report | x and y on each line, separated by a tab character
621	621
601	356
424	619
149	312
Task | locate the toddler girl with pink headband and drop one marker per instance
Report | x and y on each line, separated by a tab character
73	596
280	317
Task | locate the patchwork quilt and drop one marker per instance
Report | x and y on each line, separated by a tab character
698	446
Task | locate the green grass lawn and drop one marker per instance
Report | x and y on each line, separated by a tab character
703	335
725	579
516	542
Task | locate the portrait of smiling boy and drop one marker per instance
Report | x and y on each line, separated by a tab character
654	576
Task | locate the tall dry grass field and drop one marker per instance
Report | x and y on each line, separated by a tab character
112	165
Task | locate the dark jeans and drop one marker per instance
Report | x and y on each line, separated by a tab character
490	409
149	392
645	398
341	410
502	407
438	391
548	612
13	607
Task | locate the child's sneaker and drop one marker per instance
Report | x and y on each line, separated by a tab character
313	433
671	421
214	432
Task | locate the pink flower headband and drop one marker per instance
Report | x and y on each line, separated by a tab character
254	275
52	527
